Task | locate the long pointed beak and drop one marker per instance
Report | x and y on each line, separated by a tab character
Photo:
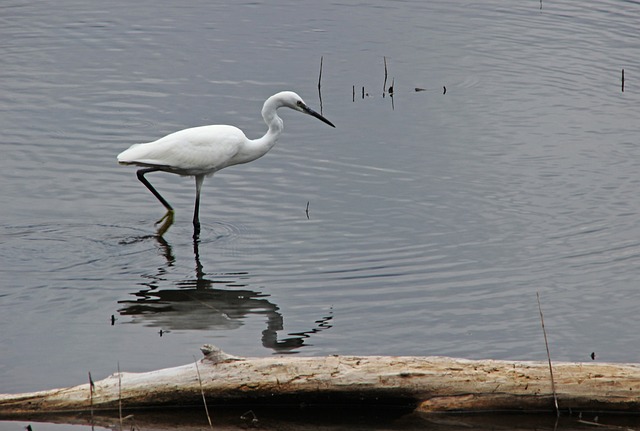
318	116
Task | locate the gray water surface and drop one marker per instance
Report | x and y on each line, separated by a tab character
434	217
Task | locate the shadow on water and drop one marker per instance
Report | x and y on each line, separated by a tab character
197	303
329	419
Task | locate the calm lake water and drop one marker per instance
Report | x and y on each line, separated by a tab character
434	217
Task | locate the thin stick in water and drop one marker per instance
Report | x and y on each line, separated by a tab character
92	386
319	83
393	83
320	76
384	84
204	400
544	332
623	80
120	395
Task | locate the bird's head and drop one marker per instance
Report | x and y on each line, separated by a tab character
295	102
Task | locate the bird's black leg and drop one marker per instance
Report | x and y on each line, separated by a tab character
141	173
196	211
168	217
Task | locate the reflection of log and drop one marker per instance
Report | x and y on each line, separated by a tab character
428	383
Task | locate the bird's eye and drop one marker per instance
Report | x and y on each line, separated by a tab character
299	103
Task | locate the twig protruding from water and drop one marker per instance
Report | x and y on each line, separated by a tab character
120	395
92	387
319	83
204	400
384	84
546	343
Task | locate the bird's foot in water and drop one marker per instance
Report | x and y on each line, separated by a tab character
167	221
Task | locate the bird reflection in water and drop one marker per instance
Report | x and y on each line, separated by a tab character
197	304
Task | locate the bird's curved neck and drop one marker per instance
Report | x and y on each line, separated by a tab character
270	117
275	124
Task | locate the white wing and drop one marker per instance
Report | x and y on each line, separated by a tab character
199	150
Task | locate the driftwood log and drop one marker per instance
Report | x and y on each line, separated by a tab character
426	384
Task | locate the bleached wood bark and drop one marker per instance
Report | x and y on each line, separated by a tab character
428	383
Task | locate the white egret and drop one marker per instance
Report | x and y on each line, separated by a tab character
202	151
